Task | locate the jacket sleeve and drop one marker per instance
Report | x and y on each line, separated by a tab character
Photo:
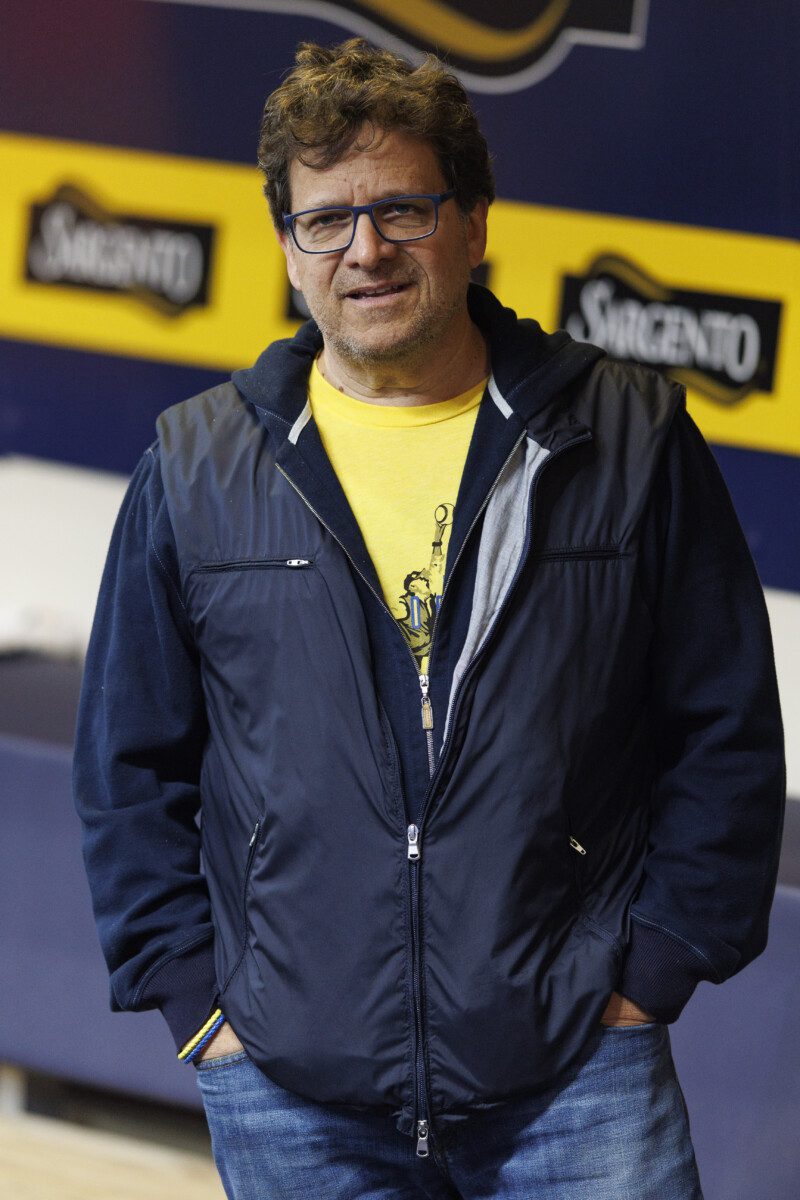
139	744
717	806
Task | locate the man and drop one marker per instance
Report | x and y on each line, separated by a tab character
459	903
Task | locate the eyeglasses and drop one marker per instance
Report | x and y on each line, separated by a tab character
398	219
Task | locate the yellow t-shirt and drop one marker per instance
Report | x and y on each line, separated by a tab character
400	467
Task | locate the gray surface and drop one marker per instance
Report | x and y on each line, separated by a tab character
789	871
39	697
54	1010
737	1051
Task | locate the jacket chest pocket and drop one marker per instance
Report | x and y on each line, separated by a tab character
231	601
256	622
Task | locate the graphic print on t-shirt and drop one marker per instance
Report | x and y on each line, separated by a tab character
418	604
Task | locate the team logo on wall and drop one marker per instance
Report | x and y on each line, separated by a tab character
74	242
721	345
493	47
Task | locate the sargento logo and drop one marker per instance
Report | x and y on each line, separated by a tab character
74	242
494	47
721	345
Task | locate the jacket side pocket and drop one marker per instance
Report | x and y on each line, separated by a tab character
579	855
245	885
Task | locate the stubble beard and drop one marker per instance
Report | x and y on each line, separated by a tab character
422	333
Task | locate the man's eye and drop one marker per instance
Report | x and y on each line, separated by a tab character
327	220
401	208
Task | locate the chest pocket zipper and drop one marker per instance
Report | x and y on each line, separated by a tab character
249	564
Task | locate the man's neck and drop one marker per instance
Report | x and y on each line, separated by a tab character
441	376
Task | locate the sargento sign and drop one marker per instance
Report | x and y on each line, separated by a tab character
74	242
493	47
723	346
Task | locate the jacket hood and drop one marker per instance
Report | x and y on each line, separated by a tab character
529	366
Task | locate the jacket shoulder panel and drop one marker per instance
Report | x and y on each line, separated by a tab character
595	498
212	448
618	393
197	426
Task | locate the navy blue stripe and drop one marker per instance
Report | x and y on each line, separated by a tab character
95	410
764	488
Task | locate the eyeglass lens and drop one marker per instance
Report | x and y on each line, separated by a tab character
397	220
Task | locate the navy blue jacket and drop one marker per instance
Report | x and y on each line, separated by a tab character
423	922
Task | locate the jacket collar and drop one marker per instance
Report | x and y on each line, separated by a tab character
531	371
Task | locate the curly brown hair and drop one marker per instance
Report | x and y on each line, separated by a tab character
317	112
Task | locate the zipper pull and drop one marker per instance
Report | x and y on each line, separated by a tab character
576	846
427	707
422	1139
297	562
414	847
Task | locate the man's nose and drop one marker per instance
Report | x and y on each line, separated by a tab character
367	248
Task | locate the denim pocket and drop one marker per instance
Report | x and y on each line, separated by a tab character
635	1027
223	1060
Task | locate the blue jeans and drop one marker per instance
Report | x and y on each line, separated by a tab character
615	1129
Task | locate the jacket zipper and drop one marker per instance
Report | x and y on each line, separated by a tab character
420	1106
415	831
427	712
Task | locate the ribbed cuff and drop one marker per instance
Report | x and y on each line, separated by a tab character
185	989
659	973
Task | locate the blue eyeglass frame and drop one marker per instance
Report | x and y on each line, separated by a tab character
357	209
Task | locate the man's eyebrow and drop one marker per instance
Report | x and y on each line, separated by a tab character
324	204
386	194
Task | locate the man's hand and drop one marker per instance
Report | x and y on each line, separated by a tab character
620	1011
223	1042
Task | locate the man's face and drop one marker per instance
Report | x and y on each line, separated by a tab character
346	293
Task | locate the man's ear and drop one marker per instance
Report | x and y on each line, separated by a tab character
288	248
476	232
